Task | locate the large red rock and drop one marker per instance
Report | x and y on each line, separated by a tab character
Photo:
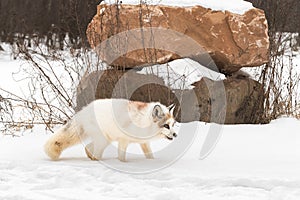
232	40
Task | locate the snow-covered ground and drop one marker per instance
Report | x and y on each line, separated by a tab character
249	162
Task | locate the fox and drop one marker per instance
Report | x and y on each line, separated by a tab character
104	121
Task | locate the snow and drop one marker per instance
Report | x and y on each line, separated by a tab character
9	68
249	162
287	66
234	6
181	73
15	73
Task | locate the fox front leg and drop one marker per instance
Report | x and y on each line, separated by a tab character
122	146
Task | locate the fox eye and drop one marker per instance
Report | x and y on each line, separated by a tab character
166	126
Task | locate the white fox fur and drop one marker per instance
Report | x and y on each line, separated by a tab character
107	120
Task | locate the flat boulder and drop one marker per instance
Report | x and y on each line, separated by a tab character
232	40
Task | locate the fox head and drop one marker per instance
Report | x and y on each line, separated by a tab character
164	118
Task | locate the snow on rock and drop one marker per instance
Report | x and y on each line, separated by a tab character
234	6
182	73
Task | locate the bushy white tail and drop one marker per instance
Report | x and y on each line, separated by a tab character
65	137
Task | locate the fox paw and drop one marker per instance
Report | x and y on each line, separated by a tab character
90	155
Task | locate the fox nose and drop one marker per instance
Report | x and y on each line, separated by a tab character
174	135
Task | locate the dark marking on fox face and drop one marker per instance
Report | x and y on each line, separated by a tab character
164	120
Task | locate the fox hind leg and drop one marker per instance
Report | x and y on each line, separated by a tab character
65	137
89	150
94	150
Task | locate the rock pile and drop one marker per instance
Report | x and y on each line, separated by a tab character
231	40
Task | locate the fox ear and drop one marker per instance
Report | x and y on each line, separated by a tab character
157	113
171	108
